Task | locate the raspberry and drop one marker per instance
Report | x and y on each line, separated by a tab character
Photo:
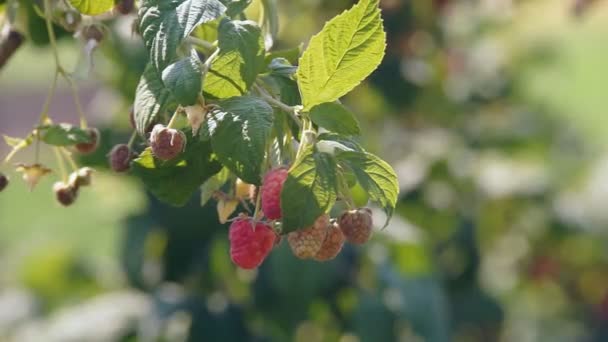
124	7
90	147
82	177
120	158
271	192
249	246
305	243
167	143
92	32
357	225
332	245
65	193
3	182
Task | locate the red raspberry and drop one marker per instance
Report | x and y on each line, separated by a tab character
271	192
357	225
65	193
332	245
167	143
305	243
3	182
89	147
120	158
249	246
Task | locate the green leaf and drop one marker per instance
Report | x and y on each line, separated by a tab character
343	54
291	55
309	191
183	79
63	135
151	98
239	62
92	7
376	177
175	181
213	184
336	118
340	142
165	24
235	6
240	132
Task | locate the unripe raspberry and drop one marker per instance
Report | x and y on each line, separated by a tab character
305	243
167	143
3	182
249	246
82	177
89	147
65	194
120	158
271	192
332	245
124	6
357	225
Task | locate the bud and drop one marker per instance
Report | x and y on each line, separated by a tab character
64	193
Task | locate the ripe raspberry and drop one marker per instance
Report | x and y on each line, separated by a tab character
90	147
120	158
65	193
305	243
167	143
124	7
271	192
82	177
249	246
332	245
3	182
357	225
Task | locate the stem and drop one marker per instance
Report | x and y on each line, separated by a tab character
76	96
258	201
49	27
289	109
60	163
200	42
210	60
70	159
132	139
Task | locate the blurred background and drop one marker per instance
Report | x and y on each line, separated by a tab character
493	114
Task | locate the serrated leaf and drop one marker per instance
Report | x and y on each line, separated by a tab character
343	54
341	142
235	6
175	181
376	177
151	98
336	118
309	191
63	135
183	79
213	184
239	62
240	131
291	55
92	7
165	24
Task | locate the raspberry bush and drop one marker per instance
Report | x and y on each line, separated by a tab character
218	109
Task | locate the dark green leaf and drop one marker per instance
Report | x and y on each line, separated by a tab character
336	118
375	176
151	98
183	79
239	62
165	24
240	131
175	182
63	135
309	191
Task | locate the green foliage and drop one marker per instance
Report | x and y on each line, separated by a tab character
240	60
310	189
175	181
183	79
343	54
213	184
63	135
239	130
92	7
151	99
335	117
164	25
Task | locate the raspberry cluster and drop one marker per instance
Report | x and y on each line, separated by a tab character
250	243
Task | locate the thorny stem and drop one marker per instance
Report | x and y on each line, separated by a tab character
132	139
258	201
173	118
289	109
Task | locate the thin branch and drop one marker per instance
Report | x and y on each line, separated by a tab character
200	42
289	109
